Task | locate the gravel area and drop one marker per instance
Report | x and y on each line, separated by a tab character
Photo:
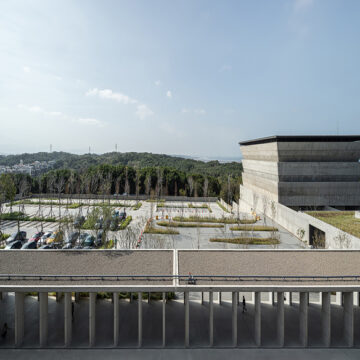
270	263
93	262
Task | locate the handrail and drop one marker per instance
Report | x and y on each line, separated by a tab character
182	277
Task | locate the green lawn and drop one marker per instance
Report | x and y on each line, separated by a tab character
253	228
188	225
343	220
247	241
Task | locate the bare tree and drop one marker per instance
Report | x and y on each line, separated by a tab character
206	187
127	184
265	205
343	240
148	184
273	211
190	182
60	184
23	187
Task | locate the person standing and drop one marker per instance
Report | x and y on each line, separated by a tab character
244	304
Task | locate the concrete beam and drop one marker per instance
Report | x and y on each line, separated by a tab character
19	318
211	319
116	318
349	318
257	326
303	318
139	319
187	319
67	319
235	295
326	318
280	318
92	318
43	312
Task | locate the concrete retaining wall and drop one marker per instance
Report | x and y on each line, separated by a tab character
225	205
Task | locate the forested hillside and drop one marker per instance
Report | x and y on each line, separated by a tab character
137	160
132	173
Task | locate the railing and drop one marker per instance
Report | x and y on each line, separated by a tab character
190	279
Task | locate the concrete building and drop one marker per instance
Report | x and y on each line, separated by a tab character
304	171
281	274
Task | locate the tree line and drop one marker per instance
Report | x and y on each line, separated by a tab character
106	179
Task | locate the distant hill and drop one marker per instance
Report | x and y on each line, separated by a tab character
140	160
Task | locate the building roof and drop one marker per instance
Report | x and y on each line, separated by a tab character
302	138
157	268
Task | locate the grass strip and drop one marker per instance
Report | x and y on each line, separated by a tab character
247	241
155	230
137	206
4	236
69	206
15	216
253	228
125	223
213	220
188	225
222	206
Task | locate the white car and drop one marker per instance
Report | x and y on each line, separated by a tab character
45	237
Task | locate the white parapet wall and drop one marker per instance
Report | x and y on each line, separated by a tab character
296	222
357	214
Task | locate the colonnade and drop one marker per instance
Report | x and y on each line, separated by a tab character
348	300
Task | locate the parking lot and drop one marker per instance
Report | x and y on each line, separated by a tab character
133	237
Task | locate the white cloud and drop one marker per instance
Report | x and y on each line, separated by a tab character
169	94
143	112
157	82
40	110
300	5
200	111
109	94
26	69
225	68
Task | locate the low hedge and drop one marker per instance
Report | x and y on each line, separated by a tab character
188	225
254	228
247	241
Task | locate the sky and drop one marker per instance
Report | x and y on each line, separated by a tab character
187	77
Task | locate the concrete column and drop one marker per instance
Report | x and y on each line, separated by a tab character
252	298
92	318
234	317
139	319
349	318
43	298
257	326
19	318
58	296
219	297
202	298
211	318
326	318
77	297
67	319
116	318
290	298
149	297
272	298
280	318
303	318
163	319
187	318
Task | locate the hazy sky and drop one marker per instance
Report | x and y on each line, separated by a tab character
177	77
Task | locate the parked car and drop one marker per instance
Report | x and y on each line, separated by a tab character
88	247
79	221
17	244
89	241
99	238
106	224
45	237
82	237
29	245
36	237
114	224
67	246
46	247
78	247
99	224
56	237
19	235
71	239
